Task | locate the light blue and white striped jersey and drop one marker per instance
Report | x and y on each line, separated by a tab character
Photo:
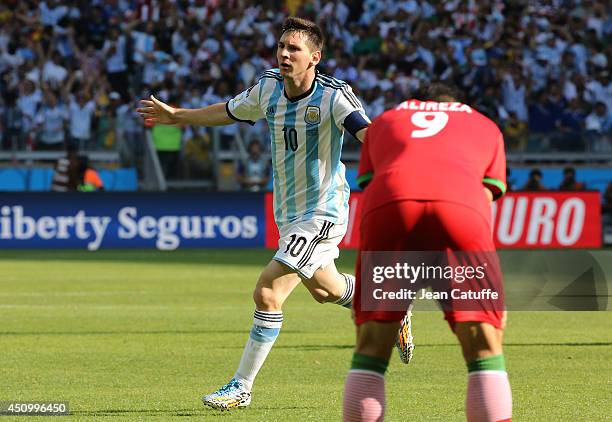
306	134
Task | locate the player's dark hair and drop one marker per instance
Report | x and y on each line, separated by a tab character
313	33
439	92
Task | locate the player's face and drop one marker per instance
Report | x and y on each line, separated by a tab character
294	56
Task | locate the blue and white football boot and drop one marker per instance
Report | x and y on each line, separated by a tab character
232	395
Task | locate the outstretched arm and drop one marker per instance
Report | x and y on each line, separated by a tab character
156	111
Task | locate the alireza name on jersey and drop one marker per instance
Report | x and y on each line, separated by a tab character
433	106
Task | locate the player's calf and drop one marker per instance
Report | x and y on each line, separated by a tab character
329	286
478	339
364	391
489	398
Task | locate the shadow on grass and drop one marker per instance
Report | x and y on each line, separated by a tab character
146	412
252	257
112	333
347	346
278	346
177	412
242	257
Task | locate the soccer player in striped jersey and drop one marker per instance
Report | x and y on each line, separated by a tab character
307	113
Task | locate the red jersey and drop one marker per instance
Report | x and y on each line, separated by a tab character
432	151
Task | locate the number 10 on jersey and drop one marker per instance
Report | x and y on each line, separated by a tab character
291	140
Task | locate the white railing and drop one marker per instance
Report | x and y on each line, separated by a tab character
153	176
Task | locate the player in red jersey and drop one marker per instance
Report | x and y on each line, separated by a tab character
431	167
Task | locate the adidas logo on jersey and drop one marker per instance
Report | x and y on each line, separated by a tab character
270	111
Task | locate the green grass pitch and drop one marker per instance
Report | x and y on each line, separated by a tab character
142	335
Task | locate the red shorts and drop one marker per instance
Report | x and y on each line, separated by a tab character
412	225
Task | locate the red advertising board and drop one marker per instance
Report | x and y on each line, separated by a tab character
548	220
533	220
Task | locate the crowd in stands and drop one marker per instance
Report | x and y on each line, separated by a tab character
72	71
568	183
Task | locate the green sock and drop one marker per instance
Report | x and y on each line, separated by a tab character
490	363
369	363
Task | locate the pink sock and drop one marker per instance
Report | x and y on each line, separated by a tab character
489	398
364	396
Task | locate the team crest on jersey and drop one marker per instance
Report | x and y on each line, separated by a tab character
270	111
313	115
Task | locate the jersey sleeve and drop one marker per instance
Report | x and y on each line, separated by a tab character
495	175
245	106
366	170
348	111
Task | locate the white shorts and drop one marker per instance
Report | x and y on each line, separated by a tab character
309	245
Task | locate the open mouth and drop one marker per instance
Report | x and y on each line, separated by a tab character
285	66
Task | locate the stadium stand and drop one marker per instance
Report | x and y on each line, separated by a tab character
38	179
73	71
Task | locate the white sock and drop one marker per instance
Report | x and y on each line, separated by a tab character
266	327
347	297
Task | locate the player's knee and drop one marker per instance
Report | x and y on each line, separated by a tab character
266	299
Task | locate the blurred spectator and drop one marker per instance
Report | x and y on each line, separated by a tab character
114	51
89	61
51	12
534	183
219	95
541	116
515	133
520	63
198	157
66	177
51	122
514	91
167	141
81	115
569	180
345	70
89	179
12	123
143	44
130	129
599	128
28	102
53	73
254	173
569	127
